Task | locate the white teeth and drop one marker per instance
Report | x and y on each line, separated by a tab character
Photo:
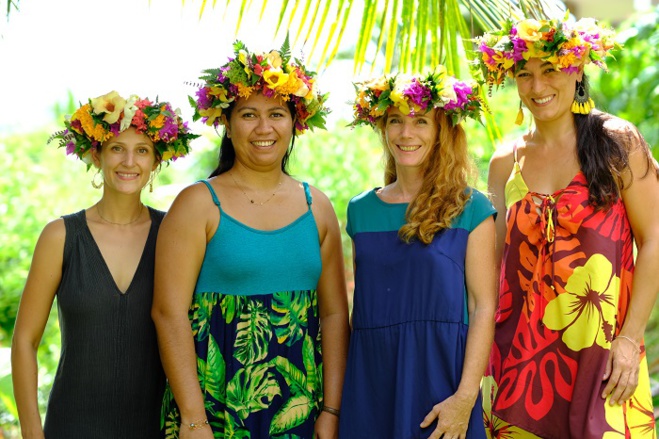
264	143
543	100
126	175
408	148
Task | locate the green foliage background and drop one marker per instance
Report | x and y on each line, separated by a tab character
40	183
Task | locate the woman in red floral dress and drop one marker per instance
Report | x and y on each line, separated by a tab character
575	195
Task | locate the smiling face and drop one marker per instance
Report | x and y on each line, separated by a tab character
260	129
410	139
546	92
126	161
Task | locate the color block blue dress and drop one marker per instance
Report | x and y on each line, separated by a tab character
256	329
409	321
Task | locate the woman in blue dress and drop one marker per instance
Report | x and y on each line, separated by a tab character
252	274
423	249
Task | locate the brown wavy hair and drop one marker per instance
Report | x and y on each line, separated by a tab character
445	189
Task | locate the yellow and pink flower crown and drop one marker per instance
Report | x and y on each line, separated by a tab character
567	45
415	94
107	116
274	74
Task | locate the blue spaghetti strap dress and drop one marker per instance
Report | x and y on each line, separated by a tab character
255	322
409	321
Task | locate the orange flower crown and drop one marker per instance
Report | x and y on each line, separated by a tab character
273	74
567	45
107	116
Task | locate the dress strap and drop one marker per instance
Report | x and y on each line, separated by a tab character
515	153
307	193
212	191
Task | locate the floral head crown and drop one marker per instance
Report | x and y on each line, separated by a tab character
568	46
107	116
416	94
274	74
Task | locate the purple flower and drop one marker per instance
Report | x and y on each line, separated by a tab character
462	91
418	94
203	98
169	130
519	47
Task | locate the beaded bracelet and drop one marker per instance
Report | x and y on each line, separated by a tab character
632	341
331	410
201	423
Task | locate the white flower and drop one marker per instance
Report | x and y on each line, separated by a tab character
129	111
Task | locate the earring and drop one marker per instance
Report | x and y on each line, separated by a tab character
520	114
96	185
582	103
151	178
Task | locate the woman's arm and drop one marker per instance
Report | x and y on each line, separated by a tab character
333	307
453	413
180	251
37	300
641	199
501	166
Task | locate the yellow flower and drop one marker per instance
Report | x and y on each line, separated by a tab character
399	101
274	59
275	78
211	114
529	30
219	92
380	83
242	57
586	311
112	104
168	154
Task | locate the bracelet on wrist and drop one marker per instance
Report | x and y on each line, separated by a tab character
636	344
331	410
201	423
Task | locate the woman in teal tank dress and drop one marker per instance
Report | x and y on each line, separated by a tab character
250	301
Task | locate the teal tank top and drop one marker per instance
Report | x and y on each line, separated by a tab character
241	260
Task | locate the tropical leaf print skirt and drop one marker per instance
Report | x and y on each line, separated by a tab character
259	365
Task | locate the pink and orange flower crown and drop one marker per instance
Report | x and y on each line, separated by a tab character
275	74
416	94
567	45
107	116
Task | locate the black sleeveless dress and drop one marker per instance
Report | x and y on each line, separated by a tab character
109	381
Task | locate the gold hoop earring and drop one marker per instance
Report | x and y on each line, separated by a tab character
96	185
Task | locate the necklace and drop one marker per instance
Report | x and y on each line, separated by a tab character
139	214
251	200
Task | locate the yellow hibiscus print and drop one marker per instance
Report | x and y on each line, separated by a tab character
586	311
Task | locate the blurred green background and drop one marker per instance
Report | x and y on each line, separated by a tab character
40	183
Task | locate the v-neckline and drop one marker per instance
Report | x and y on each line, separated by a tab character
106	268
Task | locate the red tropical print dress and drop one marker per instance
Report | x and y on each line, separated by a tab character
565	288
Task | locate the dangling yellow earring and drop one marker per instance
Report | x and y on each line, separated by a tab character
582	103
96	185
520	114
151	177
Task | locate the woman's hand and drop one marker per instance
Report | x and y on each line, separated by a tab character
452	416
327	426
622	369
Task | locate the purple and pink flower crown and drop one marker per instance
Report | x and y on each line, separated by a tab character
273	74
567	45
416	94
107	116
